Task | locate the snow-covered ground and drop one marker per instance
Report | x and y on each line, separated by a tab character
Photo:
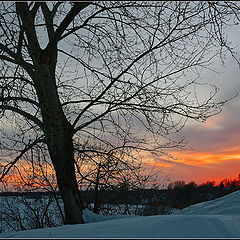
219	218
227	205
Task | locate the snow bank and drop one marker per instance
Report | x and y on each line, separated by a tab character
218	218
90	217
227	205
165	226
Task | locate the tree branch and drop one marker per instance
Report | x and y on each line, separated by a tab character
28	27
8	167
48	19
24	114
8	59
78	6
17	59
20	78
5	99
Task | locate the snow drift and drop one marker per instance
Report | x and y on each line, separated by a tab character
227	205
218	218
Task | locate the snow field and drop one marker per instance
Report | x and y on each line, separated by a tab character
217	218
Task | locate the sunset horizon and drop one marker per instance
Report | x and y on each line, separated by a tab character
117	109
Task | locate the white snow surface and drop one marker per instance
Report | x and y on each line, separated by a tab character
227	205
217	218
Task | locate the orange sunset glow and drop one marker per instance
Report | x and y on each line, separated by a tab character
213	149
206	166
215	153
202	166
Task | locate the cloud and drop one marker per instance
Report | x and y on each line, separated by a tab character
208	172
219	133
215	152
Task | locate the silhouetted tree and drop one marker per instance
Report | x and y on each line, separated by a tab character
103	75
221	185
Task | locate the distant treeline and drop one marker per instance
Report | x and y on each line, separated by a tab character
178	194
28	194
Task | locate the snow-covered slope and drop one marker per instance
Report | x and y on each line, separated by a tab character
227	205
218	218
90	217
173	226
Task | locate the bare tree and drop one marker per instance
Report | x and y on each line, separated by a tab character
102	169
103	75
114	170
28	212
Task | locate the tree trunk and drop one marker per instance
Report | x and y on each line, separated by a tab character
96	199
58	132
61	152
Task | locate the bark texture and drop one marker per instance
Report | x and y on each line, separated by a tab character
57	129
58	132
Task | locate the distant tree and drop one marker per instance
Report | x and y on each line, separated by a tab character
104	75
221	185
191	185
227	182
179	184
231	183
209	183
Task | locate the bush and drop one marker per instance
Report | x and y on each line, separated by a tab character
155	208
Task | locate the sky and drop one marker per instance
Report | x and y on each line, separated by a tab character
214	146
